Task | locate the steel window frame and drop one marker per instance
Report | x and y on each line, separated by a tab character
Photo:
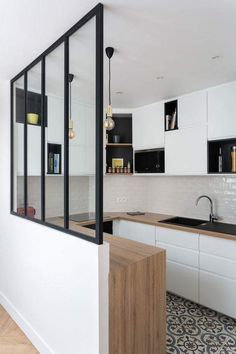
97	13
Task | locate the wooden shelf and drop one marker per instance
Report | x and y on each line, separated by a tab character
119	145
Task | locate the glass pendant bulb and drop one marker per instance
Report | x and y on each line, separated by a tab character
71	132
109	123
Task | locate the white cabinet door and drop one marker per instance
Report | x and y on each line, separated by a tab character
192	110
33	148
55	120
218	293
222	111
177	238
186	151
218	274
135	231
182	280
82	147
182	252
180	255
148	126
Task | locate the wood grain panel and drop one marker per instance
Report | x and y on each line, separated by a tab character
12	339
137	309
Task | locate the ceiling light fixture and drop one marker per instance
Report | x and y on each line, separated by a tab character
71	132
215	57
109	123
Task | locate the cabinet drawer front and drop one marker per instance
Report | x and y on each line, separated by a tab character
180	255
218	265
136	232
218	293
182	280
177	238
218	246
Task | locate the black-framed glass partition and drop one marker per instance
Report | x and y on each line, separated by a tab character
57	132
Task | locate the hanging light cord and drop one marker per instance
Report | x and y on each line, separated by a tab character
109	82
70	100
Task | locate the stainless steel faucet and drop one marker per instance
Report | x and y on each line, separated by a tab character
212	217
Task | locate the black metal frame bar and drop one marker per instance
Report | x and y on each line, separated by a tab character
66	129
25	143
43	139
96	12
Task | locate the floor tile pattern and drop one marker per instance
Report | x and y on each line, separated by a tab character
194	329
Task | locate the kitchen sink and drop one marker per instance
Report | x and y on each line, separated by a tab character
218	227
178	220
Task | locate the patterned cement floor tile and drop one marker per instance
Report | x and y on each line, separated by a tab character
195	329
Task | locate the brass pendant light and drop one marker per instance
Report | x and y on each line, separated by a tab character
109	123
71	132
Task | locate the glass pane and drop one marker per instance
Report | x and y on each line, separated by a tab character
82	54
34	142
18	146
54	180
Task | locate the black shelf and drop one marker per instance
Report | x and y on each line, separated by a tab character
54	150
123	149
213	154
33	106
170	108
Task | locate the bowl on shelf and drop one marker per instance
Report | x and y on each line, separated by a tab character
32	118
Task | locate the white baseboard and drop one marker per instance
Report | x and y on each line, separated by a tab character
25	326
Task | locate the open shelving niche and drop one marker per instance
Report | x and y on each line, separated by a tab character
170	108
123	149
213	153
54	159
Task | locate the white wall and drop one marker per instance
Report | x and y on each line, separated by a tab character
54	285
172	195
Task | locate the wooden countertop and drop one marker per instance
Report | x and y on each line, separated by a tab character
148	218
123	252
155	218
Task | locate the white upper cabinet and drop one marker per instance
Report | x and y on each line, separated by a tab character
192	110
55	120
33	147
82	147
186	151
186	147
222	111
148	126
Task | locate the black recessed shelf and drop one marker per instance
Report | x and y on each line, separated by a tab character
33	106
213	156
123	149
54	159
170	108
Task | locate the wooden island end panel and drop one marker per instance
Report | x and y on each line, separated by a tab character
137	309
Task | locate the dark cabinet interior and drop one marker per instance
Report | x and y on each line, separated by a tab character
107	227
33	105
171	115
214	149
54	159
119	141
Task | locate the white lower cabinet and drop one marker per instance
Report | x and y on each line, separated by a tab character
134	231
199	268
182	280
182	261
217	287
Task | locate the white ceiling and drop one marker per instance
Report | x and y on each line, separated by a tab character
171	38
